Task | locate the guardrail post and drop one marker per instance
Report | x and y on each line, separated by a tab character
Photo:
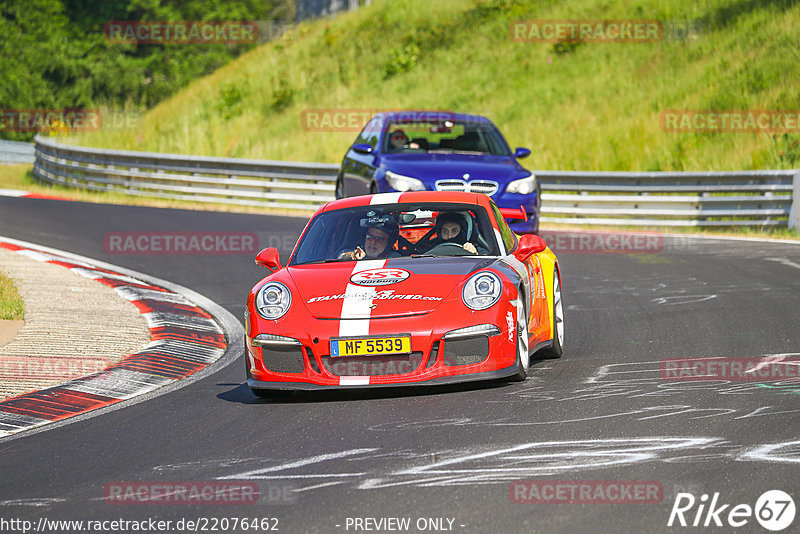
794	212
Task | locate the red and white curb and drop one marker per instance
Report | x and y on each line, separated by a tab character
18	193
189	335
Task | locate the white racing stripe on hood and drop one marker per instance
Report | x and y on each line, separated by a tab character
357	302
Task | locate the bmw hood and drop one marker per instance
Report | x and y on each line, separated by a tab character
380	288
432	167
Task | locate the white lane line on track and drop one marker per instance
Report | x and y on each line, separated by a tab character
785	261
258	473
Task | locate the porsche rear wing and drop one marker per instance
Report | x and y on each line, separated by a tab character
514	214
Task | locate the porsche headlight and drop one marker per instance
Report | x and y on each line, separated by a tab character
273	300
523	186
482	290
398	182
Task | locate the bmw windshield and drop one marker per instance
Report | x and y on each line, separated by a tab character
445	137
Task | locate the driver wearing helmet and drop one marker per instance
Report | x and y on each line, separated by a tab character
452	228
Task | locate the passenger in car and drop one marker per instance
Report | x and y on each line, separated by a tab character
378	244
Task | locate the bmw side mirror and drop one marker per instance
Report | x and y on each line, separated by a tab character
269	258
363	148
529	244
520	152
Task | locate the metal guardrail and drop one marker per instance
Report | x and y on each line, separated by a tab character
276	184
728	198
16	152
738	198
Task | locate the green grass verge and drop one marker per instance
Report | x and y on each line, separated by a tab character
11	304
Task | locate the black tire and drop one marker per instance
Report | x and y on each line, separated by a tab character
339	187
555	350
373	188
522	333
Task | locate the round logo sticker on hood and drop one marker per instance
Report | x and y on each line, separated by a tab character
379	277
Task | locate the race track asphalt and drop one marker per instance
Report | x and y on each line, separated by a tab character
601	413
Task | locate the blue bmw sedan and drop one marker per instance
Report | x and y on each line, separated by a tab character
439	151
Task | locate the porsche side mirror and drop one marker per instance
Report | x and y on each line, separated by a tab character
269	258
363	148
529	244
520	152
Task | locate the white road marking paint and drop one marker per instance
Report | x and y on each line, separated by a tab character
118	383
94	274
502	465
761	412
204	464
157	319
44	256
785	261
259	473
767	360
13	193
786	452
605	371
682	299
38	502
486	466
317	486
135	293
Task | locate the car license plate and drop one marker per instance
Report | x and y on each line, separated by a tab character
371	346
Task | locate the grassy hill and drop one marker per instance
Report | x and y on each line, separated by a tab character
577	105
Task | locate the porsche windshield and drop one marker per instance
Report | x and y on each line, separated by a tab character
393	231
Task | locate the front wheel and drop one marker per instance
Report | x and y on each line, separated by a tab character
373	188
555	350
523	355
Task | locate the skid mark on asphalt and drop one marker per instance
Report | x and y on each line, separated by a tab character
367	468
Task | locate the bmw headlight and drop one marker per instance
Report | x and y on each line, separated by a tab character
482	290
523	186
398	182
273	300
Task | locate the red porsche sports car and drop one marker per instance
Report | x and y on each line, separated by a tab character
414	288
